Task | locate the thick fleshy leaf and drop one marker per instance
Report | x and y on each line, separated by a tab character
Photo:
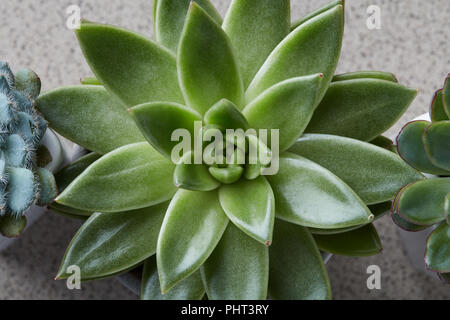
446	96
422	202
447	208
195	177
437	111
47	187
437	255
310	195
238	269
375	174
225	115
361	108
189	289
207	67
360	242
109	243
192	228
411	148
134	68
89	116
250	205
227	175
287	106
169	18
68	211
378	210
436	139
400	221
313	47
385	143
158	121
68	173
11	226
316	13
90	81
255	28
297	271
131	177
21	190
365	75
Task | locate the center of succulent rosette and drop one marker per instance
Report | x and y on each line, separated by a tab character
224	151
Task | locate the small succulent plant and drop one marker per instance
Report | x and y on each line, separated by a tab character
22	180
426	146
227	230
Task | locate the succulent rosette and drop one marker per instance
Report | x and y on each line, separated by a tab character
425	146
226	230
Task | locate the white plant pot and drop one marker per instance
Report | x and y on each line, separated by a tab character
62	152
414	243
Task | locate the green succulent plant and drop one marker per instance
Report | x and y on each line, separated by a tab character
23	180
214	228
426	146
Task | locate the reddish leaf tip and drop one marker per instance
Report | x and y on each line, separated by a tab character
321	75
268	243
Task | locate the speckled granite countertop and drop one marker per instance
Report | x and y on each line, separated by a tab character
413	42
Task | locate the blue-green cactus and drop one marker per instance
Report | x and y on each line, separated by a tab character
21	130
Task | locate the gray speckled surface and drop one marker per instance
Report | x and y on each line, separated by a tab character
412	43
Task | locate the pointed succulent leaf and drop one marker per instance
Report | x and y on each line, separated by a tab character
131	177
446	96
207	67
195	177
297	271
303	52
68	211
192	228
360	242
47	187
28	83
361	108
238	268
287	106
225	115
134	68
437	110
250	205
90	81
159	120
375	174
190	288
422	202
378	210
315	13
436	139
105	122
310	195
169	18
385	143
437	254
11	226
411	148
255	28
227	175
387	76
21	190
109	243
67	174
